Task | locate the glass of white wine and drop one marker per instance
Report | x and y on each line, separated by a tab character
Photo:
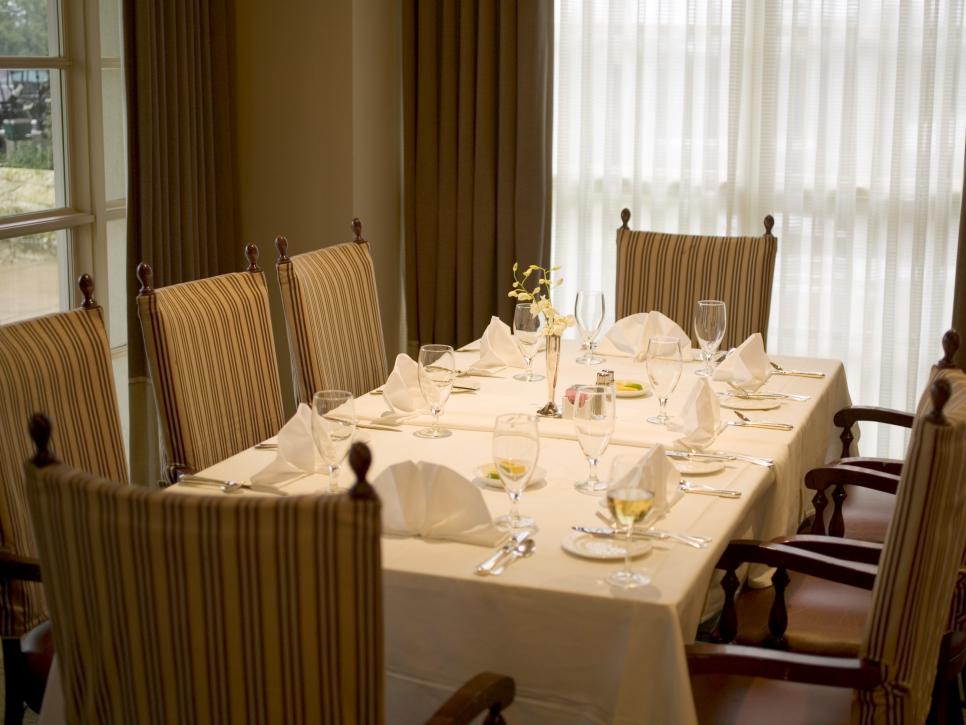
516	448
527	332
663	362
630	503
333	425
437	368
594	421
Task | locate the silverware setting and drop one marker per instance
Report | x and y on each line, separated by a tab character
520	551
692	540
485	568
779	370
692	487
746	422
229	486
722	456
764	396
458	387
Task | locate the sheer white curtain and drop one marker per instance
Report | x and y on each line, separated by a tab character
845	120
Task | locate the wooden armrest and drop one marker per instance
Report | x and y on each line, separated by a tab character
847	416
783	556
711	659
863	552
883	465
487	692
23	568
819	479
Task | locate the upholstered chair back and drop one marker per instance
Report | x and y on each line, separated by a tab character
60	363
670	272
332	317
212	359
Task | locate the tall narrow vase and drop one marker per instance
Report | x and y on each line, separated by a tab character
553	363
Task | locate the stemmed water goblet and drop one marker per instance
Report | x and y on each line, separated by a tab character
710	322
527	331
594	420
589	313
516	448
663	363
333	425
437	368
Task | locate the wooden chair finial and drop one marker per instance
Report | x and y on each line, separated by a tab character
940	392
145	277
86	284
625	218
251	251
281	244
769	225
950	348
357	230
360	459
39	427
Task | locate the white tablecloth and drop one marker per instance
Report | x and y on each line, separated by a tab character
579	650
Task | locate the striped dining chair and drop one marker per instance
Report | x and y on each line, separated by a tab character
332	317
890	679
60	363
212	360
670	272
221	609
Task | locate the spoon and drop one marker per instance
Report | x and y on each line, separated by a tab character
522	550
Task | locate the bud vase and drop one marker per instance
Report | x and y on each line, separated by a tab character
553	363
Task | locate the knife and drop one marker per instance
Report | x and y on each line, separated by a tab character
719	456
487	566
691	487
760	424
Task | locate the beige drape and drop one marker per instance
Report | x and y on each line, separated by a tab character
477	94
181	200
959	297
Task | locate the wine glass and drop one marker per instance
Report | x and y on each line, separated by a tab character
516	447
527	330
589	311
710	322
629	502
594	420
663	361
333	424
437	368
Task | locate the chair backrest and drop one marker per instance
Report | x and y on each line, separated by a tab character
212	359
919	562
60	363
670	272
332	317
199	608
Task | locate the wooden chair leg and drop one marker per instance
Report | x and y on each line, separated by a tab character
13	682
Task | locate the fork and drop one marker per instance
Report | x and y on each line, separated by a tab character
800	373
746	422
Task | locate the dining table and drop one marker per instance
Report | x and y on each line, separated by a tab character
579	649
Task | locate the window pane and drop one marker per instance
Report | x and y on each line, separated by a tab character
31	144
110	28
115	161
28	27
33	272
117	273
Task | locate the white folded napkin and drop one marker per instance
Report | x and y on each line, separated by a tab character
630	334
296	450
699	419
747	366
435	502
657	474
401	390
498	348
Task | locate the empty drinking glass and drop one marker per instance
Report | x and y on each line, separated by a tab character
589	311
516	448
710	322
663	362
437	368
333	424
527	331
594	420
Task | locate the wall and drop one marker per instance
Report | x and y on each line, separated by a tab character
318	137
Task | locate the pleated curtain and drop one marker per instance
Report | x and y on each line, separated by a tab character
477	94
181	202
845	120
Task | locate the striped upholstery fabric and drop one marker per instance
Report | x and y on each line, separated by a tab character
332	315
919	564
59	364
208	609
670	272
212	358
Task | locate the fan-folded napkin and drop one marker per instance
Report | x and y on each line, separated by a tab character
747	366
401	390
699	419
435	502
296	450
630	334
498	348
656	474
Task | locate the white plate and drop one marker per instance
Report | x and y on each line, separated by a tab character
697	467
749	403
596	547
483	469
643	392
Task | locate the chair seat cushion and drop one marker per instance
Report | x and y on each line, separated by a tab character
758	701
823	617
867	513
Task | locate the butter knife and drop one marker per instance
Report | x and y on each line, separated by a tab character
487	566
722	456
